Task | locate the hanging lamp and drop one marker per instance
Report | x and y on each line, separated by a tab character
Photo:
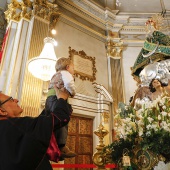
43	66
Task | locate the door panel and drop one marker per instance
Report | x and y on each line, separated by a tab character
80	140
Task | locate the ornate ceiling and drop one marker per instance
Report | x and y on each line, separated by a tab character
134	6
124	18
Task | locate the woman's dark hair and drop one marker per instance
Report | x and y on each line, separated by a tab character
152	89
131	98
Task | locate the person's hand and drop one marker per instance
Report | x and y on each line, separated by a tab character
61	94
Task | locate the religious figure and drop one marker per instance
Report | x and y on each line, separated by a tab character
158	89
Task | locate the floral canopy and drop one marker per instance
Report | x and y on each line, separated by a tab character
143	135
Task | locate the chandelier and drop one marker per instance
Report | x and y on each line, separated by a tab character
43	66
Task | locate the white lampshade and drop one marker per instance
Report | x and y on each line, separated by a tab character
43	66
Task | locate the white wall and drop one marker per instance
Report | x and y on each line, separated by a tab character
3	4
78	40
129	57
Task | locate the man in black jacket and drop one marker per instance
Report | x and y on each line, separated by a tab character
28	143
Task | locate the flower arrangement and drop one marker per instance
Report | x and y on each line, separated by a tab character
147	128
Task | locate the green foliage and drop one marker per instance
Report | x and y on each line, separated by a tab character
148	128
118	147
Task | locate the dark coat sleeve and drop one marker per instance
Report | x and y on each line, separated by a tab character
22	147
24	141
60	112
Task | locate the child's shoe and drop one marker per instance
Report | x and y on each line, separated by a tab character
67	153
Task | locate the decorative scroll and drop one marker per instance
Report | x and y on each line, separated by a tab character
84	66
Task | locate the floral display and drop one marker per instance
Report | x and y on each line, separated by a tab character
147	129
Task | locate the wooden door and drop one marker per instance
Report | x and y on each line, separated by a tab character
80	140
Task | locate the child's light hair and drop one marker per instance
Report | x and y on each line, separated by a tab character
62	63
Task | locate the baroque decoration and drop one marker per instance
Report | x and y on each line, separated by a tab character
27	9
17	10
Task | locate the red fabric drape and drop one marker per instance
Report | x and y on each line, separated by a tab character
3	45
53	152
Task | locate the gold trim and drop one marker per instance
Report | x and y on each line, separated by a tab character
47	11
105	116
114	49
98	158
27	9
154	23
144	159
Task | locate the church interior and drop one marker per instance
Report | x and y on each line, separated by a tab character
117	47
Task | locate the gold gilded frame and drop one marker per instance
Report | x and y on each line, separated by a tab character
78	73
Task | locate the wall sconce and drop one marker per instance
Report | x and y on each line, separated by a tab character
43	66
53	31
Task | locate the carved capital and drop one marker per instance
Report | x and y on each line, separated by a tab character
16	10
12	12
26	9
47	11
114	48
